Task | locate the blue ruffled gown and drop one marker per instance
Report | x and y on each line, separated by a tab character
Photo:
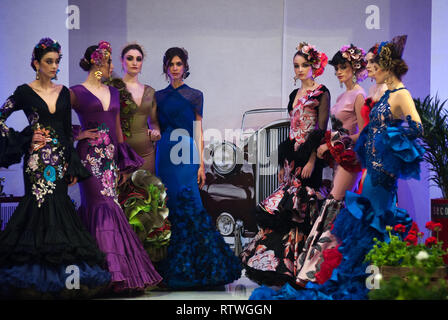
389	149
197	255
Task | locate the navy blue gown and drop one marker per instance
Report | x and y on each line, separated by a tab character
197	255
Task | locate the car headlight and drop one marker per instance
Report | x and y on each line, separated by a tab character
225	224
224	157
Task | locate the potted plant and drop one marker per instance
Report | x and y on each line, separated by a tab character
435	140
406	263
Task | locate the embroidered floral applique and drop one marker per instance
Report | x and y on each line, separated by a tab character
100	159
46	164
304	116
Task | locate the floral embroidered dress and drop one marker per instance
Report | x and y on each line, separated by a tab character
389	149
45	237
285	218
128	262
197	255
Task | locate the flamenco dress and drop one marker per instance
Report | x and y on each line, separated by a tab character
285	218
130	267
142	197
45	243
389	149
197	255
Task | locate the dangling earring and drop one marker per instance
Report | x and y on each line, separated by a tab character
295	81
98	74
354	78
37	74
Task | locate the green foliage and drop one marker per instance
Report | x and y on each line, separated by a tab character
397	252
435	138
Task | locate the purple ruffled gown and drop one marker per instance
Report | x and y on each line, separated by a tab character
127	260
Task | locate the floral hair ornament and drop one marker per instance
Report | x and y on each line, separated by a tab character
356	57
317	59
385	51
45	43
101	54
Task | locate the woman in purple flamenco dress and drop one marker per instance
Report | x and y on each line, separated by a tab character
108	158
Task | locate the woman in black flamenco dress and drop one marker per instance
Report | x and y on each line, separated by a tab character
45	252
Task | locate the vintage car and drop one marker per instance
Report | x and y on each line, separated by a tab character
239	174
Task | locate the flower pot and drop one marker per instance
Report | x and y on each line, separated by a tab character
389	271
439	213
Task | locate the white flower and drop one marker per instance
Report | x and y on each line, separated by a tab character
422	255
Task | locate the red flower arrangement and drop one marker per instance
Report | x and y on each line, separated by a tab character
342	153
434	226
431	241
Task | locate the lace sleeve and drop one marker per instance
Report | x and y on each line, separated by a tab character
324	110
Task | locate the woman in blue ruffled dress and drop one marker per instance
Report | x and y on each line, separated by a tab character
197	255
388	148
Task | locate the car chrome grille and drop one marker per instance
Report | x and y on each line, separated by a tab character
268	141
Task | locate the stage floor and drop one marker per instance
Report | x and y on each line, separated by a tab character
240	289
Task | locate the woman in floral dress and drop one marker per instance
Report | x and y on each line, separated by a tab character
285	218
109	159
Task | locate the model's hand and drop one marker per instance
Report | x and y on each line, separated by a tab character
37	139
154	134
307	170
88	134
72	181
321	150
201	177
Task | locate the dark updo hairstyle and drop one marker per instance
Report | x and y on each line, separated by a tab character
170	54
390	54
389	58
85	62
338	59
44	46
132	46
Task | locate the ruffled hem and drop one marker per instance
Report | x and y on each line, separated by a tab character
39	281
128	159
197	255
355	227
14	146
281	218
126	258
30	238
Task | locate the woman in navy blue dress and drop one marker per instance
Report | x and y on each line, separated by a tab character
197	255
